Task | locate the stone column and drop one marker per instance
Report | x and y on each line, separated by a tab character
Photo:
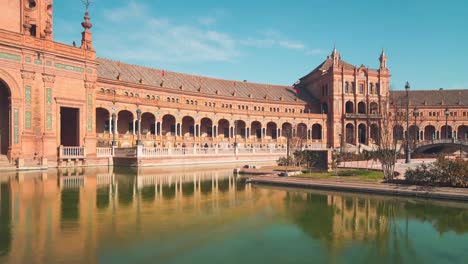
110	125
47	120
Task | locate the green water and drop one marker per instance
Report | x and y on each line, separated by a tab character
206	215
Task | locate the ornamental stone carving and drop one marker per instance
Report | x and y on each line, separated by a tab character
48	78
89	85
28	75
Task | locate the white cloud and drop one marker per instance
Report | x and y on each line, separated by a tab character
132	32
207	21
316	52
160	39
121	14
291	45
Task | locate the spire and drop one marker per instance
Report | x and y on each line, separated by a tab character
335	56
86	35
383	60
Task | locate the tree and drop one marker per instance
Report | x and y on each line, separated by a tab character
388	149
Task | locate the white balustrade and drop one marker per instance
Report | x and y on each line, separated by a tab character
149	152
71	152
104	152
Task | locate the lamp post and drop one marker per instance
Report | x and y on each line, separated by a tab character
416	129
446	122
114	126
138	112
287	149
407	146
235	137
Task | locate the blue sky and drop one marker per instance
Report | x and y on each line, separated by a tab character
279	41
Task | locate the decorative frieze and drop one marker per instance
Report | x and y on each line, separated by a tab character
69	67
8	56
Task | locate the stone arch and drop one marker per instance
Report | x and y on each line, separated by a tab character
168	126
239	128
349	107
398	132
362	133
272	130
125	122
446	132
317	132
362	108
5	117
188	126
350	134
374	108
10	82
301	131
148	121
256	129
462	132
223	127
429	132
103	118
206	127
286	129
413	133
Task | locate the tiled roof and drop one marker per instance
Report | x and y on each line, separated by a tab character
433	97
328	63
108	69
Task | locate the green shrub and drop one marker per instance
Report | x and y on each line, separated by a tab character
444	172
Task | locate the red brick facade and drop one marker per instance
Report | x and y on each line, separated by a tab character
55	94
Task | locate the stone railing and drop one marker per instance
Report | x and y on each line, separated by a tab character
104	152
150	152
441	141
72	152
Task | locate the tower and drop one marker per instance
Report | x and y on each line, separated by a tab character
383	60
336	57
29	17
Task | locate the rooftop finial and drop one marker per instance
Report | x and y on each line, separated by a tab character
86	36
87	3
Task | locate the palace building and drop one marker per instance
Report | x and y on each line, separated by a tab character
60	103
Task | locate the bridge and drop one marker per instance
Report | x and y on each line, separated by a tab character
438	145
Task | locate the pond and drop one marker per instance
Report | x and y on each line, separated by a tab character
209	215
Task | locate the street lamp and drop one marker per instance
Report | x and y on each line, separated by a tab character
138	112
416	129
235	137
446	122
407	147
114	126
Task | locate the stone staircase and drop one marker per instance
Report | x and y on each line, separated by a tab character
5	164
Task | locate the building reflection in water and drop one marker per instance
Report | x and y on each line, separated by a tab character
60	215
64	215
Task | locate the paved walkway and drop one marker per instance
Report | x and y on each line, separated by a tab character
364	187
400	166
